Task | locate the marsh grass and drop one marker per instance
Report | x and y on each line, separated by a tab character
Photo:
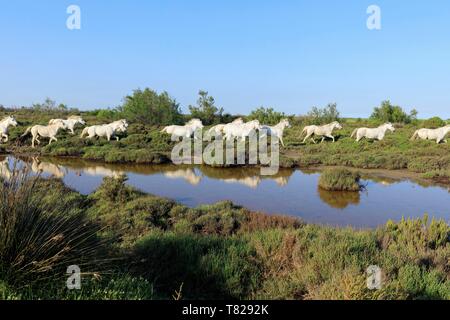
340	179
39	240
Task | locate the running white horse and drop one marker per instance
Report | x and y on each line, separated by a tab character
218	129
4	124
277	130
432	134
324	131
372	133
235	130
70	123
184	131
49	131
104	130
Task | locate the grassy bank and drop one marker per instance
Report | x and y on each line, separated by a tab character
146	144
147	247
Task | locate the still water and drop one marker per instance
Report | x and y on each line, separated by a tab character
290	192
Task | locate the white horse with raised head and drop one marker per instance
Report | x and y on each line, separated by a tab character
325	131
277	130
432	134
70	123
184	131
372	133
243	130
4	125
49	131
104	130
218	129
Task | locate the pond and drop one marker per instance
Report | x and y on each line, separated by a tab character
290	192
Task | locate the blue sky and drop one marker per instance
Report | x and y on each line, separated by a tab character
290	55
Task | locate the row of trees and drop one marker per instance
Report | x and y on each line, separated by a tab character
150	107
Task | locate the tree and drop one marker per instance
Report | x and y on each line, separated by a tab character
324	115
206	109
266	115
390	113
148	107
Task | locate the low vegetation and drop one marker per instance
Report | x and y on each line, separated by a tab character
148	111
153	248
339	180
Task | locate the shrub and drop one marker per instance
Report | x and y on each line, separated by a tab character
206	110
39	238
339	180
267	115
433	123
390	113
323	115
148	107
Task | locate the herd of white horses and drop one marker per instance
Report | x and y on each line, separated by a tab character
238	129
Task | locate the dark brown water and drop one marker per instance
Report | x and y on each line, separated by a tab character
290	192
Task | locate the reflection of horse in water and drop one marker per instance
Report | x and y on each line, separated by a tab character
187	174
339	199
47	167
251	182
102	171
5	172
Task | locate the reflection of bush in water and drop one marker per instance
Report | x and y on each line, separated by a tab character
339	199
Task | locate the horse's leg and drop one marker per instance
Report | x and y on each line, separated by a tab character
323	138
313	140
281	140
307	136
32	141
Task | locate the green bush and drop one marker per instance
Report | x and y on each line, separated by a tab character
339	180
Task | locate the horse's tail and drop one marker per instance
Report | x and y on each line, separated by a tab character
164	130
353	133
414	137
26	132
303	131
85	130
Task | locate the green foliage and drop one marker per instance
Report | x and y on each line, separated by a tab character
148	107
267	115
433	123
339	180
390	113
324	115
42	233
206	110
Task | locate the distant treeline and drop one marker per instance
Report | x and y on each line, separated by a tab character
152	108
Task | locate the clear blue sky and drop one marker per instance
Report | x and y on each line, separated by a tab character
287	54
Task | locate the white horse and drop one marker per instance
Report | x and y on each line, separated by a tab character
49	131
184	131
104	130
432	134
372	133
242	131
218	129
324	131
186	174
277	131
69	123
4	124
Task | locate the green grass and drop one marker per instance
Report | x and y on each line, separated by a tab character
158	249
339	179
146	144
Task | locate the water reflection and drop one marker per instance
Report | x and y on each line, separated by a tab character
292	192
338	199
